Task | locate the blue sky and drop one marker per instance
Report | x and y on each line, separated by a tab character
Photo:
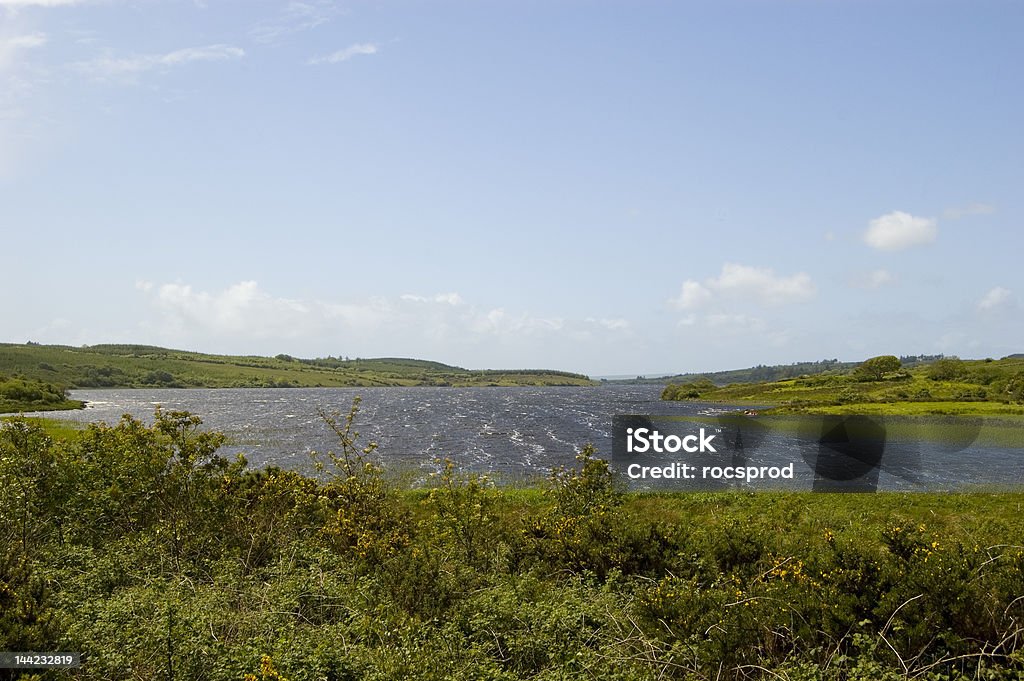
606	187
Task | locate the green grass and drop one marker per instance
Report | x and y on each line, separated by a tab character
989	388
801	517
135	366
927	408
63	431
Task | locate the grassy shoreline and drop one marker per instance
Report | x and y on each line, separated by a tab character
947	387
12	408
20	394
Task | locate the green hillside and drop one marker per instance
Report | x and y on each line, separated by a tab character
771	372
882	385
136	366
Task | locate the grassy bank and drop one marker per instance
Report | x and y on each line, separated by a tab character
134	366
141	548
56	429
21	395
988	388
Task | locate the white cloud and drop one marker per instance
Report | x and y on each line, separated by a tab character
745	283
345	54
241	308
995	298
617	324
442	326
745	327
107	67
12	45
211	52
730	304
21	125
499	322
897	230
735	321
692	295
19	42
688	320
763	284
296	17
970	209
874	279
449	298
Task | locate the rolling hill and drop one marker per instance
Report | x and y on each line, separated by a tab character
138	366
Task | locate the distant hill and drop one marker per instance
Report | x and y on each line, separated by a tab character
137	366
947	385
776	372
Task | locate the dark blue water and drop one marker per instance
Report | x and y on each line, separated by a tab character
512	432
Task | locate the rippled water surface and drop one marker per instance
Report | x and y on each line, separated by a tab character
510	430
515	432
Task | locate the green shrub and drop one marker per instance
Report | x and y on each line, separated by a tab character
364	519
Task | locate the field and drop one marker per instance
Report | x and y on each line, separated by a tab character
988	388
141	548
42	369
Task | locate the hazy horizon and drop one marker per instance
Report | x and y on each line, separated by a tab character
593	375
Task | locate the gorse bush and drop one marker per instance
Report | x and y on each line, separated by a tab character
584	490
576	534
365	517
142	548
462	506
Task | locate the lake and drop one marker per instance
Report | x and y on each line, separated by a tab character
512	432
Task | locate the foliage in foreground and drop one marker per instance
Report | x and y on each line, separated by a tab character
140	547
